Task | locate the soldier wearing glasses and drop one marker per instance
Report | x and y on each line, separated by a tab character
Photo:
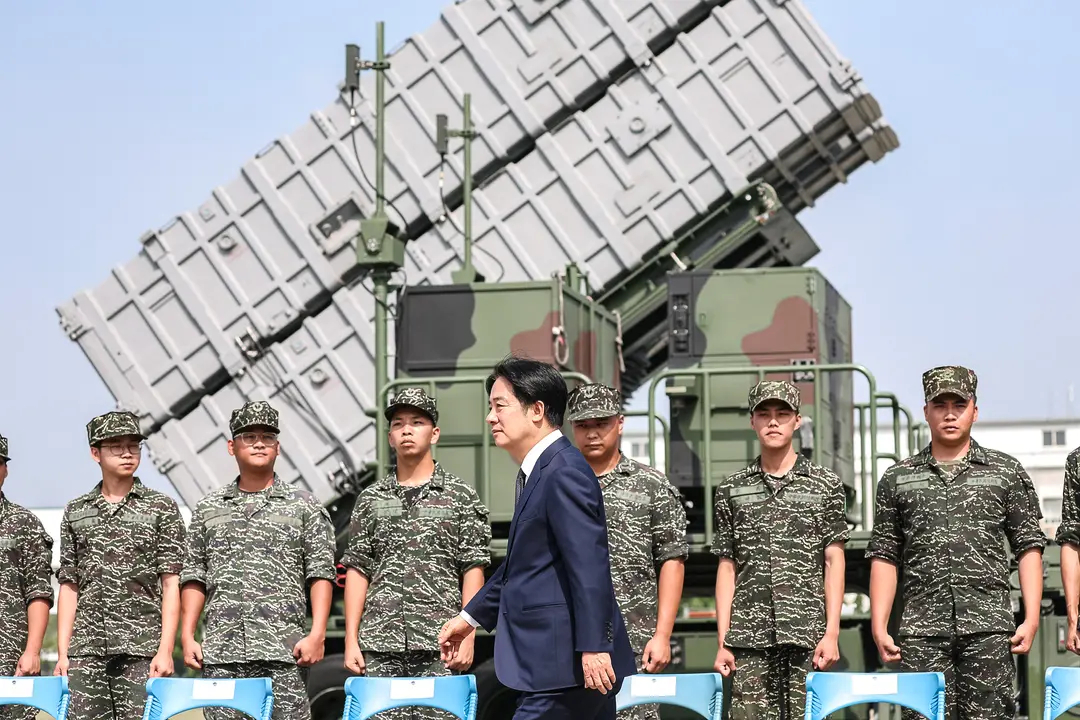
121	552
255	546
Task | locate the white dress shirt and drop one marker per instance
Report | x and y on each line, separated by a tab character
527	466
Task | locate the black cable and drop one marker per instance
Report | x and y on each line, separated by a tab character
448	216
356	152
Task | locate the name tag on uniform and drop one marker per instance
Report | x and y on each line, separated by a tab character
17	688
213	689
805	498
915	481
985	481
136	518
436	512
412	689
286	520
654	686
634	498
7	543
387	508
748	494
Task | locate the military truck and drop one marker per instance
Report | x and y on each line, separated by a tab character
628	178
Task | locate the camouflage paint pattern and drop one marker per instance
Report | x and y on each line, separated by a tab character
115	553
408	664
25	575
254	413
254	553
107	687
289	683
776	531
978	671
464	330
948	536
646	527
414	556
949	379
1068	530
756	318
4	448
414	397
780	390
770	683
592	401
111	425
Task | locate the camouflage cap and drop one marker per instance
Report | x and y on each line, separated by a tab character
595	400
417	398
774	390
949	379
118	423
4	448
257	412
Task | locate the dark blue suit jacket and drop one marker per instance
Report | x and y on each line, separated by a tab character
552	597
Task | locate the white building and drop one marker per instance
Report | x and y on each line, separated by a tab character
1041	446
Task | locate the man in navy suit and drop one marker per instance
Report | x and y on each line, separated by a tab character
561	640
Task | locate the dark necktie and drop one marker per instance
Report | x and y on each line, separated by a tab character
519	485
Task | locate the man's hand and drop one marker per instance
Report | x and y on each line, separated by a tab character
887	649
61	667
827	652
1072	638
309	650
29	664
161	665
354	659
725	661
657	654
1021	641
599	675
463	658
451	636
192	653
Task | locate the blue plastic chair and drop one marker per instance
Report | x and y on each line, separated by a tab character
166	697
1062	691
923	692
365	696
48	693
702	693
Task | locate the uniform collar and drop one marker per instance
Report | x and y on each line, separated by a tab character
277	488
438	478
623	468
801	466
976	454
137	490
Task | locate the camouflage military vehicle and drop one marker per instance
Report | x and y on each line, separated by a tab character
638	169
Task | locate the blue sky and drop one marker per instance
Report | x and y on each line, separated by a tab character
957	248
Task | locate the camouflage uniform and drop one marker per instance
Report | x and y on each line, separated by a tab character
776	530
254	553
414	544
25	575
115	554
646	528
1068	530
945	525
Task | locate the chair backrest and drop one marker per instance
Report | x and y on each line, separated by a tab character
166	697
365	696
1062	691
702	693
48	693
827	692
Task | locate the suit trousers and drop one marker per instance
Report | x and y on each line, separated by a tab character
577	703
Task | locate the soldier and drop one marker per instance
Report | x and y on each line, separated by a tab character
416	537
253	547
780	534
121	552
943	516
26	592
1068	537
646	530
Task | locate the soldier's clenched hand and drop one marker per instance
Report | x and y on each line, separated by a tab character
1021	641
161	665
725	662
29	664
827	652
657	654
192	654
887	649
354	659
309	650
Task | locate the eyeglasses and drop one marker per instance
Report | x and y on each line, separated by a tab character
121	450
250	439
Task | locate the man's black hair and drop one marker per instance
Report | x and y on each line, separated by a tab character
533	381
